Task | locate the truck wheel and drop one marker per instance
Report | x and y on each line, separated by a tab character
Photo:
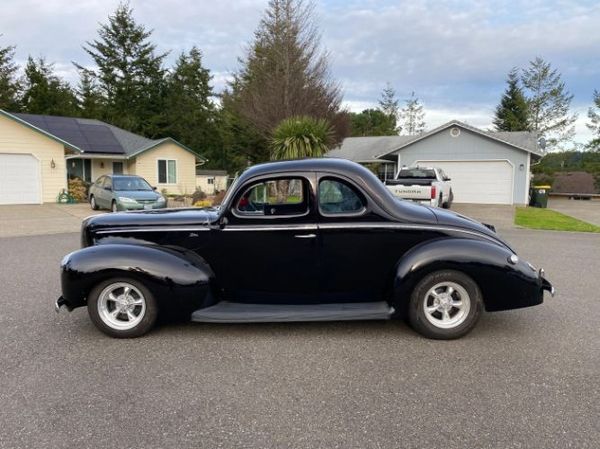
445	305
122	308
448	203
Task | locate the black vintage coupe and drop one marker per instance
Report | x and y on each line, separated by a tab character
306	240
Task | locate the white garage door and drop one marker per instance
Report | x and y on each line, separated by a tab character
485	182
19	179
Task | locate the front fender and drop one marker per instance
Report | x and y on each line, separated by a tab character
503	285
176	277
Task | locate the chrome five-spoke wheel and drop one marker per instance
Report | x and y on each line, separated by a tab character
121	306
446	305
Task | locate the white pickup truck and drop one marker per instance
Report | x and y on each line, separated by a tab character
426	185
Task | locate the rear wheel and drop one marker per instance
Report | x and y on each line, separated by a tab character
122	308
93	204
448	203
445	305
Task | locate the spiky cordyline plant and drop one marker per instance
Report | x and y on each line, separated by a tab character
299	137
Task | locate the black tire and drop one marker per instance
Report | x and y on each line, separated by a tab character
147	321
113	206
440	201
431	325
448	203
93	204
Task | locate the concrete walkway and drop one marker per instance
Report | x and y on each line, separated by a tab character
47	218
500	215
586	210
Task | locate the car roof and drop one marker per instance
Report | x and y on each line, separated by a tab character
330	165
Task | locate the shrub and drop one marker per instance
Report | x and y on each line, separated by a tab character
198	195
78	189
218	199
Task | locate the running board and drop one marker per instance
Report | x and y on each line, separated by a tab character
232	312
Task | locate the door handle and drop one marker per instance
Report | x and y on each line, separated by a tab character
305	236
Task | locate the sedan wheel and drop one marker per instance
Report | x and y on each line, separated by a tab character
113	207
93	203
122	308
445	305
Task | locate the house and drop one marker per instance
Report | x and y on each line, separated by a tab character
484	167
39	153
211	181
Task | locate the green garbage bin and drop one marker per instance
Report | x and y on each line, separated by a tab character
539	196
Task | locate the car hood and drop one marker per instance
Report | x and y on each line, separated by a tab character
453	219
153	218
138	194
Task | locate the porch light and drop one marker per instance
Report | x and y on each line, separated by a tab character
521	167
52	164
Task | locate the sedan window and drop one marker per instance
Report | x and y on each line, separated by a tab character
275	197
338	198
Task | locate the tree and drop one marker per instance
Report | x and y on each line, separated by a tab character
412	116
189	114
372	122
548	102
46	93
9	85
299	137
388	104
129	73
91	101
285	73
512	114
594	125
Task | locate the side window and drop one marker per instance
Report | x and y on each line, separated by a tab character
338	198
275	197
100	182
108	183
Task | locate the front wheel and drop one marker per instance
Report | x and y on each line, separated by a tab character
122	308
445	305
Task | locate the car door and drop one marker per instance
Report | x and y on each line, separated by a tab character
359	246
270	242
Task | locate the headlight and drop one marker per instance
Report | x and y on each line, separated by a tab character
124	199
160	199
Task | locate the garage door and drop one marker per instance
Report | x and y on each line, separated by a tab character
19	179
485	182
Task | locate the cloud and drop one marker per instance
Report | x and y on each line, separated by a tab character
454	54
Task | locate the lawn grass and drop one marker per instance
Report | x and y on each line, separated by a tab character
536	218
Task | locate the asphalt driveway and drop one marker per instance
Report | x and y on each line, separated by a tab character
586	210
523	379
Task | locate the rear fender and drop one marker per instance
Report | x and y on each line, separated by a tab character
503	285
176	277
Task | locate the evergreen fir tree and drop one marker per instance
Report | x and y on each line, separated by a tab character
372	122
91	101
9	85
129	73
549	103
594	125
512	114
388	104
189	115
46	93
412	116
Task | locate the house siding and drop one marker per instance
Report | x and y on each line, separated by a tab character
16	138
104	167
146	166
220	183
470	146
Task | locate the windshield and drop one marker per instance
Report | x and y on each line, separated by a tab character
130	183
416	173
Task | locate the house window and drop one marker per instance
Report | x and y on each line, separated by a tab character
118	168
210	180
167	171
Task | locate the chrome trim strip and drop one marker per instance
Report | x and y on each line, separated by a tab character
150	229
308	227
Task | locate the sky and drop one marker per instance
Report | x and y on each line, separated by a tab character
453	54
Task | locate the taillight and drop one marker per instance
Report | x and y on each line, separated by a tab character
433	192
